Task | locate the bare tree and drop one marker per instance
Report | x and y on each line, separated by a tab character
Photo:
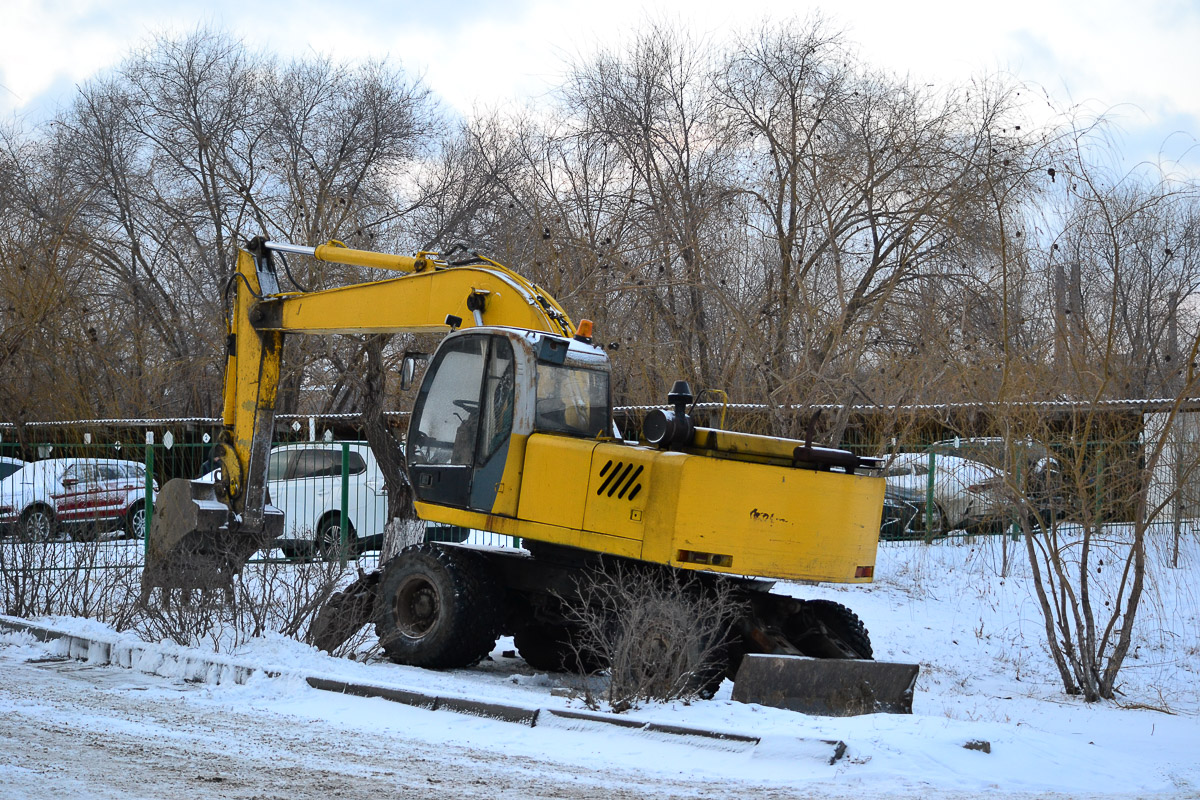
859	189
1089	520
53	326
652	107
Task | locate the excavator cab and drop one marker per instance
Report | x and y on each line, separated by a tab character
462	421
485	392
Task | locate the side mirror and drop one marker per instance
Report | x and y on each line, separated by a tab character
69	482
408	368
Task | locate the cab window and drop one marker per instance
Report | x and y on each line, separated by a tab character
572	400
497	414
447	412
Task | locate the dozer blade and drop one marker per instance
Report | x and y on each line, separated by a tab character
834	687
196	543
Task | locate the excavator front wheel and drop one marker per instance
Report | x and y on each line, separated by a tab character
437	607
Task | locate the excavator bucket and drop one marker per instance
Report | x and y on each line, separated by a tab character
837	687
197	543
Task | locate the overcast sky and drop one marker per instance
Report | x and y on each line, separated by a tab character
1138	61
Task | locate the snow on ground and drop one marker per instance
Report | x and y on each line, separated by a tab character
964	610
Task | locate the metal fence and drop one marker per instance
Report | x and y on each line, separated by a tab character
994	486
331	492
100	487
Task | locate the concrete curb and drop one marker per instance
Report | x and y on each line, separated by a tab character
158	660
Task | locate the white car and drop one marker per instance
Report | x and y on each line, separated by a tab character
305	482
966	494
80	496
9	465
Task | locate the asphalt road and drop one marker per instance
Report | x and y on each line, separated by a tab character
72	730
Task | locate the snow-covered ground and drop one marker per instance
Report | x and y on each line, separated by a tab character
977	633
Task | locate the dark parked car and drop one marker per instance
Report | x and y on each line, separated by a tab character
899	517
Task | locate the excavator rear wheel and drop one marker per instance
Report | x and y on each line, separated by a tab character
844	624
555	648
437	607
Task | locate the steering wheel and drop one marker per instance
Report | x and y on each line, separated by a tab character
423	446
469	406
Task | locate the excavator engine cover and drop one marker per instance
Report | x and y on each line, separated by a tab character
196	542
835	687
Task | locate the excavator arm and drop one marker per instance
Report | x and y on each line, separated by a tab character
203	533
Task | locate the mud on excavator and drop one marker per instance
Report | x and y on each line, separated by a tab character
512	432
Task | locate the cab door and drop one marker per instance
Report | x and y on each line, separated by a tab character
462	422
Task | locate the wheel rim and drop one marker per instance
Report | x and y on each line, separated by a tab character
329	538
417	606
137	523
37	526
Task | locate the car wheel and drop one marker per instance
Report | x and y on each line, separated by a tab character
329	538
38	525
135	520
937	523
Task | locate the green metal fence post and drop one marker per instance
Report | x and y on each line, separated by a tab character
929	506
148	500
344	521
1014	522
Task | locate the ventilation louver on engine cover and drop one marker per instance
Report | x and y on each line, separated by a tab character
620	480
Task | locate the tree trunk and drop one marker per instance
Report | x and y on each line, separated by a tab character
403	527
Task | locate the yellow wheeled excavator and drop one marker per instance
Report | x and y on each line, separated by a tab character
512	432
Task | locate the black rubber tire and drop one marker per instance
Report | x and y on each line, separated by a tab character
438	607
328	541
38	525
940	524
135	520
844	624
550	648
